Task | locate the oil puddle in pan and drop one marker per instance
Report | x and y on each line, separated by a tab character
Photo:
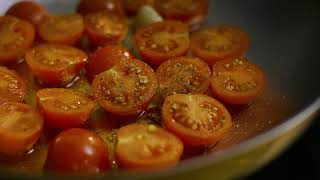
268	110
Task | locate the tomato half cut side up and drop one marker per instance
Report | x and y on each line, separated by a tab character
161	41
147	147
103	28
12	86
183	75
126	89
104	58
64	108
219	42
191	12
92	6
29	11
20	128
55	64
237	81
64	29
198	120
133	6
17	37
78	151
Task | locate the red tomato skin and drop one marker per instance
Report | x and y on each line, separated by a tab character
73	41
21	93
29	11
15	147
97	39
59	37
55	77
239	49
86	153
91	6
104	58
10	57
194	19
66	120
17	143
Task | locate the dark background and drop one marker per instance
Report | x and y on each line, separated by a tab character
300	161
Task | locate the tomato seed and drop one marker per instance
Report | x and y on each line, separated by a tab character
74	107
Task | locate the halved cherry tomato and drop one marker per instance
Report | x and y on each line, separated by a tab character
219	42
20	128
29	11
132	6
12	87
147	147
55	64
64	108
183	75
191	12
161	41
78	151
104	58
105	28
91	6
237	81
198	120
17	37
126	88
63	29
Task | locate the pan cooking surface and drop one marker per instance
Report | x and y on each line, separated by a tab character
283	41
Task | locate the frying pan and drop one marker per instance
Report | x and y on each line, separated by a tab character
284	41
